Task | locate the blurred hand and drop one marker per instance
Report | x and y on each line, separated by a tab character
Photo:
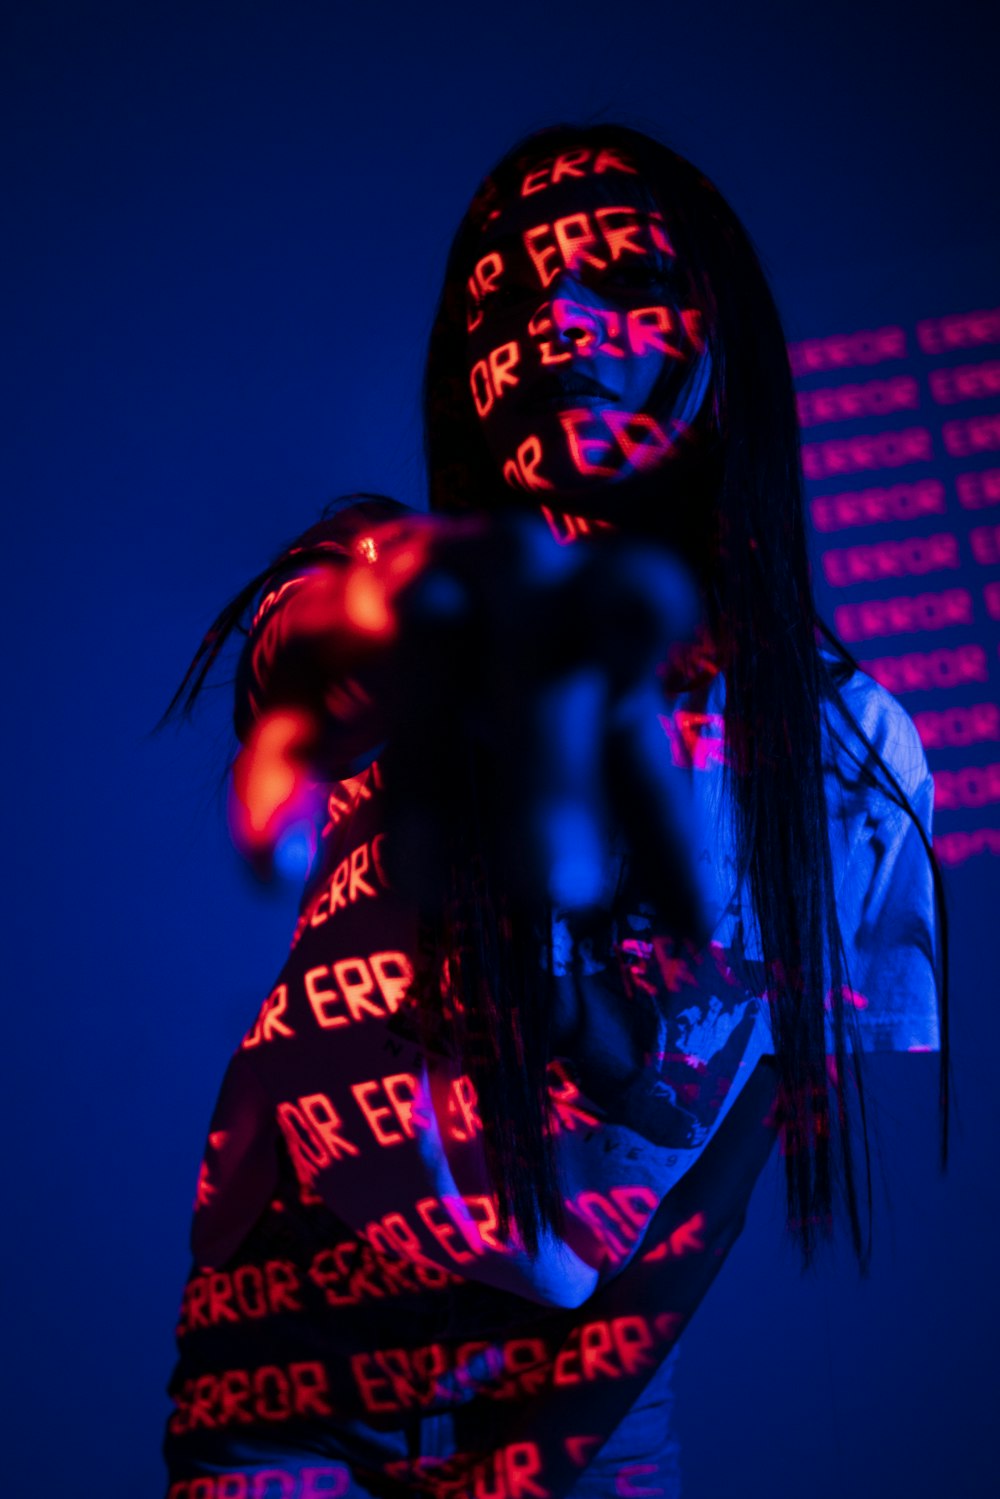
489	634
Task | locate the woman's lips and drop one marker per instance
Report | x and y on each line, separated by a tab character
565	390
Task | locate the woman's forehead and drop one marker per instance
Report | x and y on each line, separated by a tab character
543	185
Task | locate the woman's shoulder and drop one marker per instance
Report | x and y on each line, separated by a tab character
857	702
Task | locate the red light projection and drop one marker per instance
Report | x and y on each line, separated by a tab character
554	170
985	543
868	507
850	997
481	283
359	875
955	848
697	740
350	1273
273	597
269	1023
951	477
966	437
638	436
677	965
605	1349
632	436
845	351
597	1359
395	1379
617	1218
903	616
874	398
269	783
958	726
249	1293
204	1191
625	1488
401	1379
687	1239
510	1472
522	471
853	455
271	1393
332	1481
974	786
402	1090
343	1111
578	1448
585	357
976	491
346	796
964	330
564	1094
354	981
469	1220
569	243
311	1127
566	528
490	377
968	382
892	559
602	330
929	670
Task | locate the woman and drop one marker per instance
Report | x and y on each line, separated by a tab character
614	875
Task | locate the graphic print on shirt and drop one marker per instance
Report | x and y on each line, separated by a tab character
655	1028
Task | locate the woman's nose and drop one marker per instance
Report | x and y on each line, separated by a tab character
573	322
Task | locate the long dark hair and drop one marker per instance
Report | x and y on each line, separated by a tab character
744	479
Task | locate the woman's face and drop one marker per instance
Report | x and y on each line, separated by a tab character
587	360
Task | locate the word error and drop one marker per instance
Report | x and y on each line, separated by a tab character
955	848
904	615
348	1273
972	786
892	559
870	507
923	671
394	1109
852	455
395	1379
575	243
633	334
328	1481
841	351
593	437
345	992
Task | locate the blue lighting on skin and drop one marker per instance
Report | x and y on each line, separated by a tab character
576	874
295	851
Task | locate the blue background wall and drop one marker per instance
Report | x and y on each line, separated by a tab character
228	224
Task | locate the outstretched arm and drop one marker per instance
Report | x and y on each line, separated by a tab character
423	628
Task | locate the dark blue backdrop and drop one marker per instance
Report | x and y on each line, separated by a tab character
227	227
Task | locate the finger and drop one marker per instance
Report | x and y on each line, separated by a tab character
274	799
